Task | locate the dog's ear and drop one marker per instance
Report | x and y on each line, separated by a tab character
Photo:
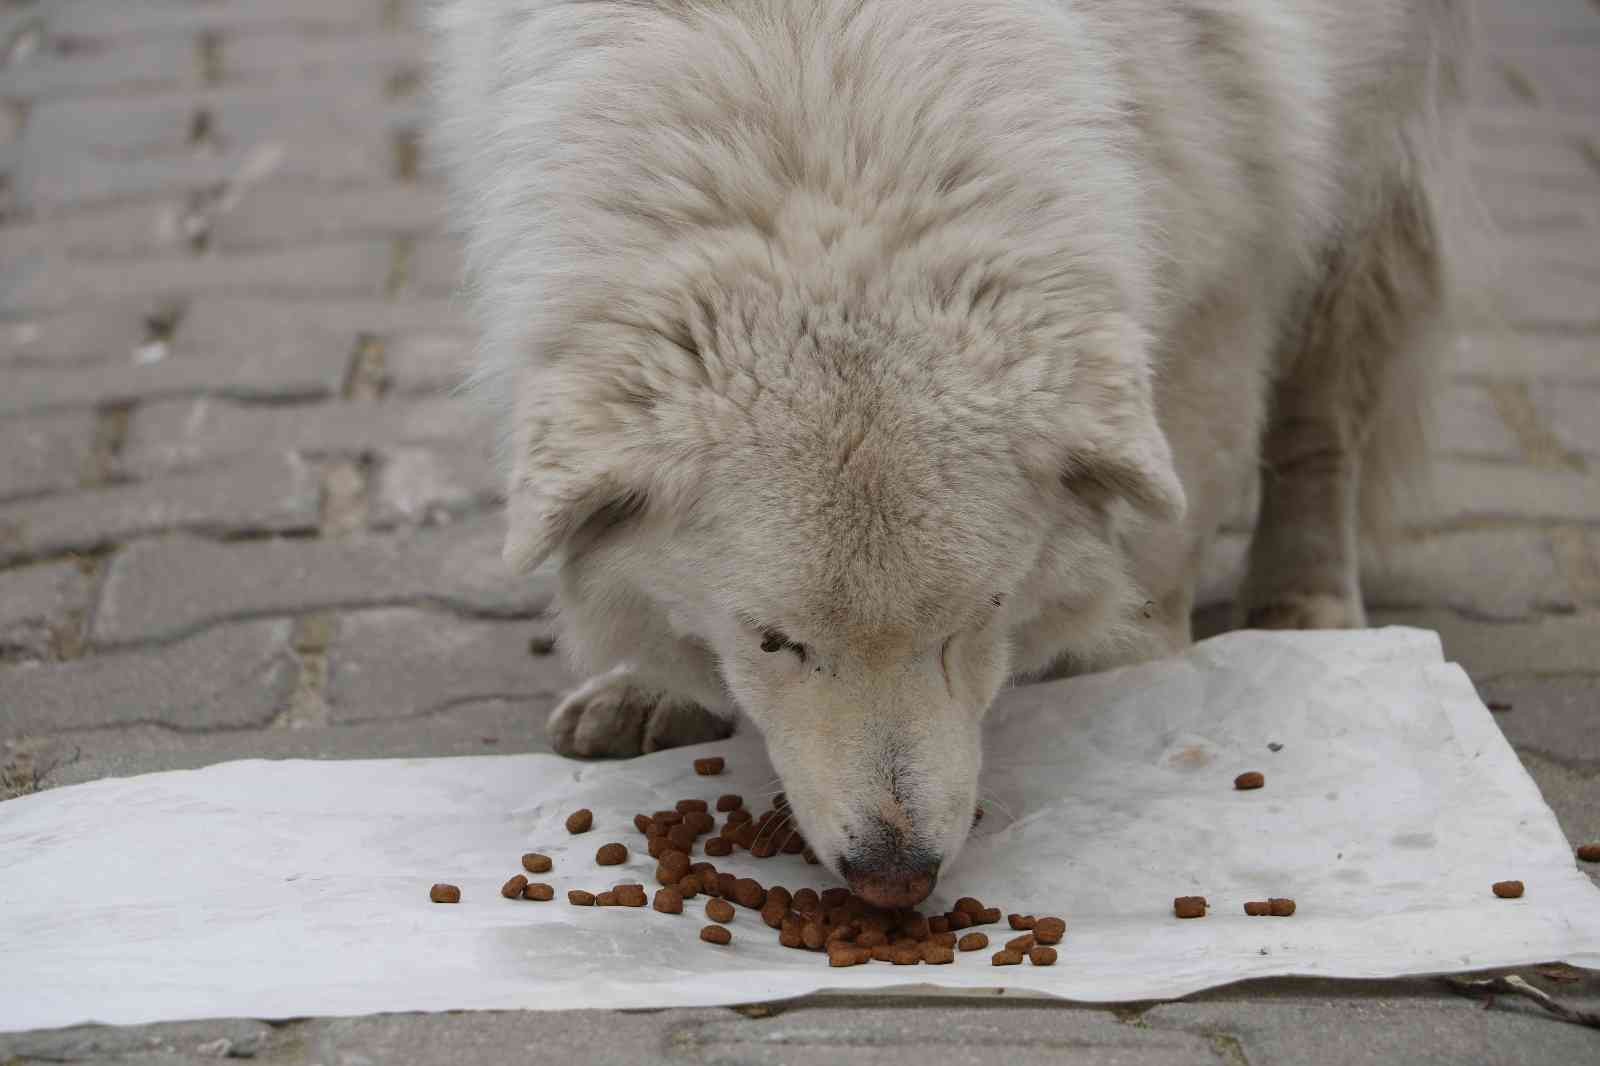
546	514
1116	447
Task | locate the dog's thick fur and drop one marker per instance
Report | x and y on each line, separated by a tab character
927	343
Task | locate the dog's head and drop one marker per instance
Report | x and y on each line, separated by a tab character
852	517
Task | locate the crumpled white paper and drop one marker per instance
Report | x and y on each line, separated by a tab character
277	889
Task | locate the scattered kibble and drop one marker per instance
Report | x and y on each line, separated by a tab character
716	934
580	821
535	863
1189	907
611	855
709	767
445	894
539	892
1508	889
513	888
1252	779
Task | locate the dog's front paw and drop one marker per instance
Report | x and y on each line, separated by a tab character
611	717
1307	611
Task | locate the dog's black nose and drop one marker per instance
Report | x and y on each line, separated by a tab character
884	877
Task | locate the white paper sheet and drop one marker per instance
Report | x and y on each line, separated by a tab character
278	889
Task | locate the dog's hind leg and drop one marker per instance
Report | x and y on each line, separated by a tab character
1347	419
611	716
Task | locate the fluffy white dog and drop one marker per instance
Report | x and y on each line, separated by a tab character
859	355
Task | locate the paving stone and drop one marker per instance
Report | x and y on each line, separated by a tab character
1515	574
178	434
1466	492
1542	299
1550	644
96	232
1558	358
402	662
258	494
422	362
149	1045
1470	425
37	604
161	588
311	54
282	213
436	267
351	268
1572	414
1365	1031
1553	716
230	677
106	333
94	19
1515	205
156	64
44	453
427	484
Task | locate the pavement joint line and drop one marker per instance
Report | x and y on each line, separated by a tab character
1577	552
311	640
1539	446
402	251
209	57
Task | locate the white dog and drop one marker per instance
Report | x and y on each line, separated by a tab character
859	355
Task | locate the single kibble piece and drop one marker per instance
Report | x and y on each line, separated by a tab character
1258	908
1008	958
579	898
688	886
939	923
1020	943
719	847
681	836
684	806
958	920
631	895
905	954
973	942
871	938
773	914
730	801
806	900
842	954
1020	921
667	819
642	823
676	860
1189	907
765	846
611	855
1280	908
725	885
747	892
1508	889
1049	930
716	934
709	767
535	863
580	821
606	899
1042	956
814	935
968	905
1588	852
1247	781
937	954
658	847
987	916
539	892
699	822
739	815
444	894
719	910
668	901
944	940
513	888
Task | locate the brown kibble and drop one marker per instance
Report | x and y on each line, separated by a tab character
806	900
709	767
719	847
1588	852
579	898
842	954
703	868
773	914
1023	943
1049	930
973	942
631	895
674	859
681	836
969	906
944	940
688	886
716	934
1508	889
725	884
611	855
699	822
1041	956
1258	908
939	923
668	901
668	818
1281	908
958	920
729	801
1189	906
539	892
606	899
719	910
765	846
684	806
905	954
642	823
915	926
814	935
1008	958
747	892
779	894
987	916
580	821
535	863
789	937
659	846
871	938
834	897
444	894
513	888
937	954
1020	921
1252	779
738	816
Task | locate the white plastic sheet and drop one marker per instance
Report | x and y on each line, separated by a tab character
277	889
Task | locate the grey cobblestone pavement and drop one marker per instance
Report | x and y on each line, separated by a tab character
241	515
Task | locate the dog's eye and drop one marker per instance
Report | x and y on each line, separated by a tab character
772	640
